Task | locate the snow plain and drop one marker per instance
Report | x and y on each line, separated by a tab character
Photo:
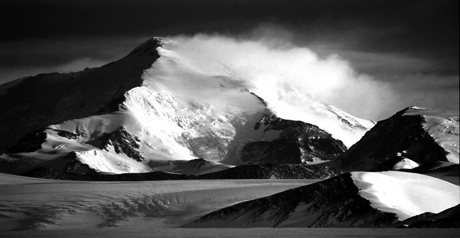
39	204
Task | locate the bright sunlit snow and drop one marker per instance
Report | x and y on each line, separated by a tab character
406	194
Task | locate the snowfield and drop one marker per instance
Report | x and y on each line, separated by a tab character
40	204
406	194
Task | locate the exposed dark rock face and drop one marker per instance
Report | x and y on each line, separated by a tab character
50	173
33	141
449	218
331	203
125	143
198	163
398	134
32	103
74	166
29	143
298	142
68	135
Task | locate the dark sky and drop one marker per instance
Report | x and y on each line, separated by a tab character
412	44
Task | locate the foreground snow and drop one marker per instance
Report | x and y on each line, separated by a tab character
406	194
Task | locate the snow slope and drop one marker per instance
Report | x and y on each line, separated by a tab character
169	106
359	199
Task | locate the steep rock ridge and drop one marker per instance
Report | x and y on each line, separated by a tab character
421	135
169	108
31	103
331	203
298	142
123	142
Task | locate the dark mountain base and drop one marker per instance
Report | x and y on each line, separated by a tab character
284	171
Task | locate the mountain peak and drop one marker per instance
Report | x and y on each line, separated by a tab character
148	47
213	116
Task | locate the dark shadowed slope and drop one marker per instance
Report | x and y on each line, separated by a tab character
412	137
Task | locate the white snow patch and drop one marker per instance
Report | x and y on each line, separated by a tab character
405	164
110	162
406	194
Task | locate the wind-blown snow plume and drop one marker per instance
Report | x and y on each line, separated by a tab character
286	75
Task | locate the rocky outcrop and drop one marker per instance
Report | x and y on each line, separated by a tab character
298	142
29	143
123	142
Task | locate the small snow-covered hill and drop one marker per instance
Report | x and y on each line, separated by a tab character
412	137
157	105
357	199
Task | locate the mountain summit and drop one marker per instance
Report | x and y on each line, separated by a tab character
156	105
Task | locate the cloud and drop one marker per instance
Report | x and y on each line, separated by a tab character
282	71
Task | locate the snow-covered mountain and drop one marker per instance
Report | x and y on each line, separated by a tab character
412	137
357	199
155	105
